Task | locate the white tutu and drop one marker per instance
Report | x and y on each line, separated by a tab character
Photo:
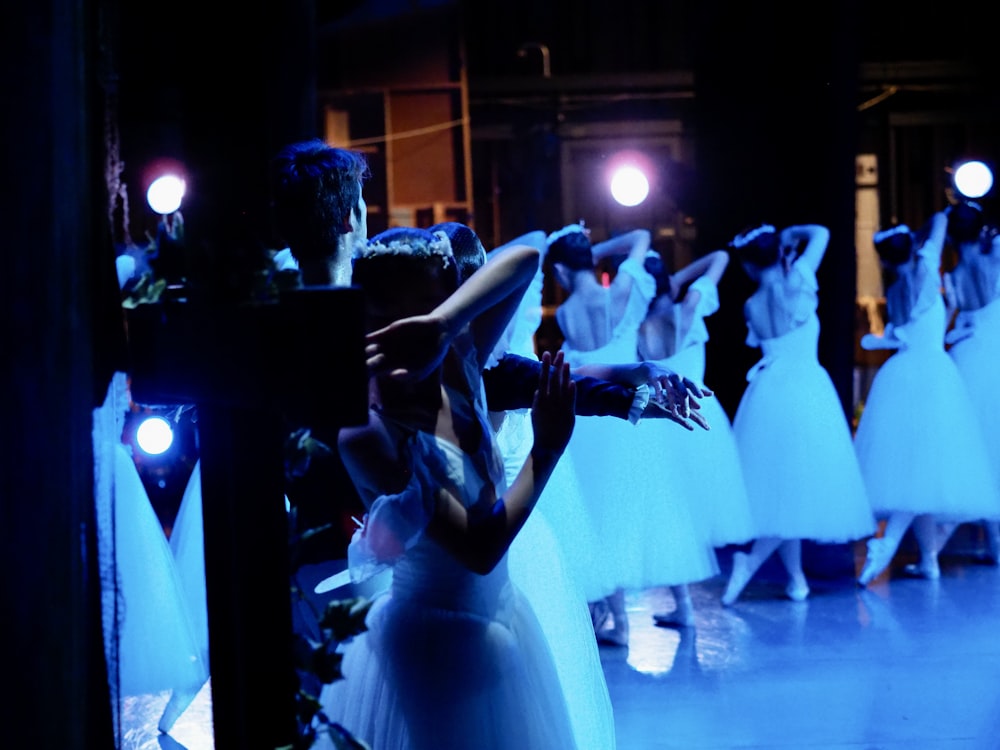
919	440
802	476
451	658
975	349
706	469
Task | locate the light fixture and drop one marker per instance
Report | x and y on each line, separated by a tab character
165	194
628	174
629	186
154	436
972	179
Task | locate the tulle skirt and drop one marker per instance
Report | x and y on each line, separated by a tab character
706	472
431	678
977	358
187	542
540	567
802	476
920	444
561	505
157	643
647	535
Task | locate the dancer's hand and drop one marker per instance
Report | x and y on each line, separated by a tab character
674	396
407	349
662	410
553	412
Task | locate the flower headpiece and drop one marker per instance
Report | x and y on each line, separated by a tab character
411	241
742	240
885	234
566	230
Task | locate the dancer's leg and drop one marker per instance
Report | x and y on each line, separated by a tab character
682	615
745	565
881	549
617	634
944	531
790	552
925	531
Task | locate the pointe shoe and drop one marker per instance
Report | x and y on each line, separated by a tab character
877	560
738	579
929	570
674	619
797	591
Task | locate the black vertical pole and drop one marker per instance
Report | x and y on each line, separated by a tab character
220	93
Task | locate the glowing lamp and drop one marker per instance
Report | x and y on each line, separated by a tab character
165	194
629	185
154	436
973	179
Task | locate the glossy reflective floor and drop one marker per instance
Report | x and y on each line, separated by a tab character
904	664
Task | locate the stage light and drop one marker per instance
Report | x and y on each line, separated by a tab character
154	436
165	194
629	186
973	179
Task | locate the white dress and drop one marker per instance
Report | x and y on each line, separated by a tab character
547	559
707	473
919	440
187	543
623	474
975	349
151	641
451	659
802	476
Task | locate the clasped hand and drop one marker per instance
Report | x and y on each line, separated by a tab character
674	397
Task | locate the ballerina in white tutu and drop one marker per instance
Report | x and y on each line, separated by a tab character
709	480
921	466
621	470
453	656
556	596
972	298
802	477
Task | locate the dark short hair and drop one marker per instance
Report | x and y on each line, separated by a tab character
894	245
759	246
469	252
314	186
571	249
656	268
965	221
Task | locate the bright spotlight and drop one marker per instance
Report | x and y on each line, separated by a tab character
154	436
165	194
973	179
629	186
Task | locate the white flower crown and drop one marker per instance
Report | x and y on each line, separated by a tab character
415	246
741	240
566	230
887	233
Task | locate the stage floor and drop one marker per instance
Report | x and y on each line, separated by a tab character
906	664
